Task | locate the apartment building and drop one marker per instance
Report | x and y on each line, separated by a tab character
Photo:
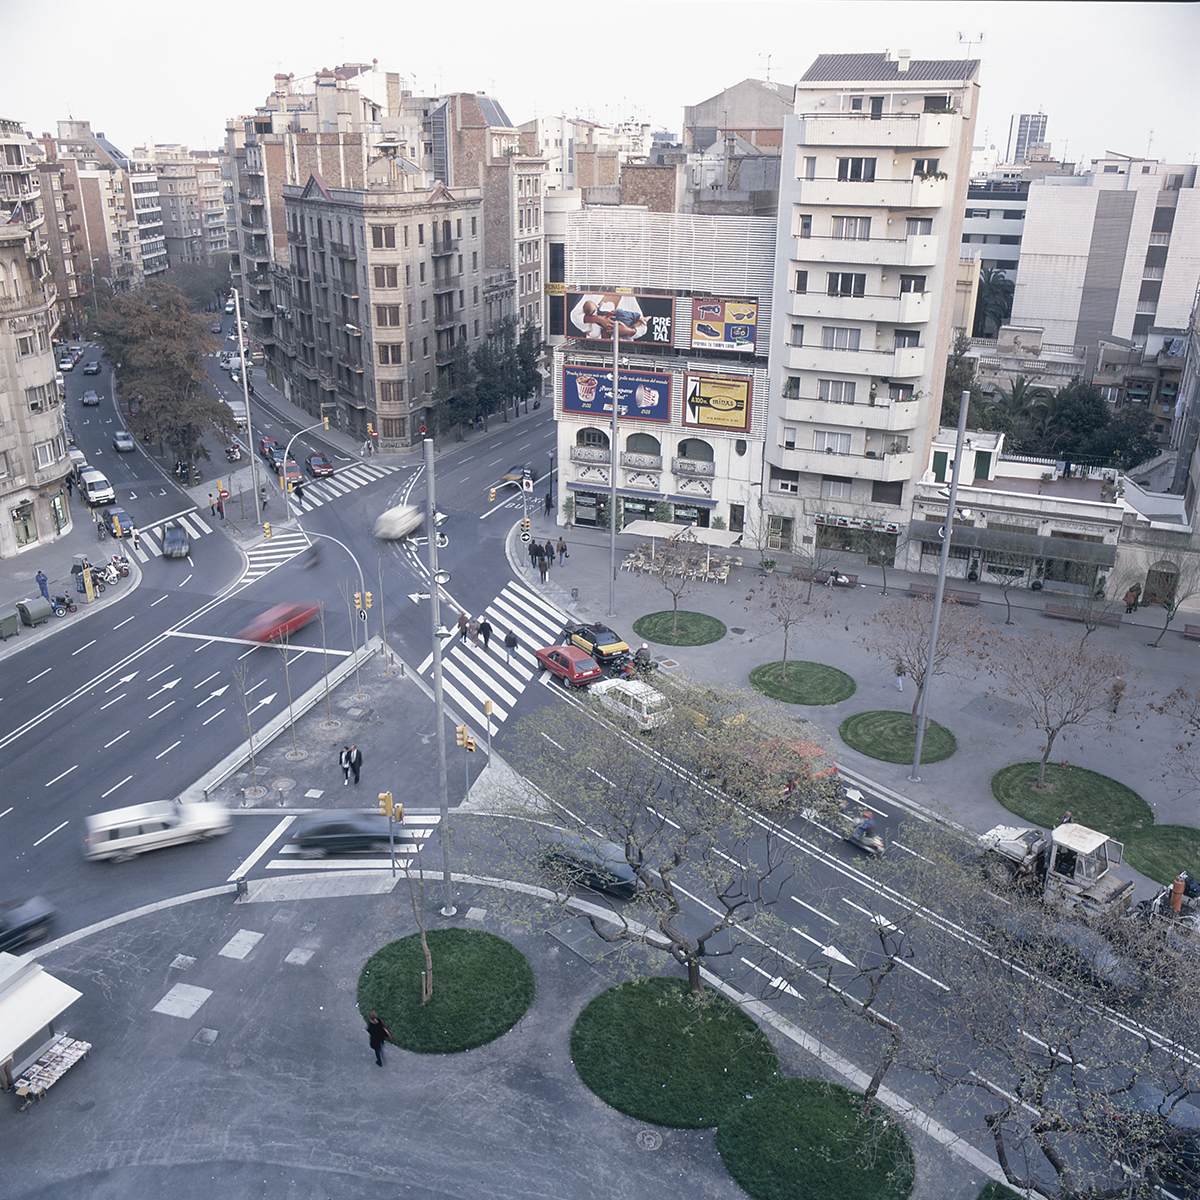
1026	133
693	295
874	179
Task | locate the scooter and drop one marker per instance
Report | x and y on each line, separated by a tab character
233	453
62	605
856	835
629	666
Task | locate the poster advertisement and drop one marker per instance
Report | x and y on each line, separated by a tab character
716	402
647	320
724	324
644	395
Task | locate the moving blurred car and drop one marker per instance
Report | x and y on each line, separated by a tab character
279	622
516	474
117	521
90	399
175	543
598	640
574	667
318	466
25	921
340	832
125	833
91	368
399	522
124	440
573	861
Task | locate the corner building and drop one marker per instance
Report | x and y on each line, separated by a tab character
876	163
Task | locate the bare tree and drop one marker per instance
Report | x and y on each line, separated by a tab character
1172	597
676	564
787	602
1063	685
900	636
1006	571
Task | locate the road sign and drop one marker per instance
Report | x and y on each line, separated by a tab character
420	428
527	536
527	484
224	494
362	614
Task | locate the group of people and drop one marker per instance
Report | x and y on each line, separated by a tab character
473	628
542	556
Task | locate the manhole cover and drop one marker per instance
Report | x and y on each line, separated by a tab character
354	712
284	785
647	1139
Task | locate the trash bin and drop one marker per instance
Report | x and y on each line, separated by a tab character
36	611
10	623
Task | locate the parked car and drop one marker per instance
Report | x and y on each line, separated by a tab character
574	861
124	440
597	640
572	666
78	461
279	622
117	521
66	363
339	832
318	466
125	833
90	399
23	921
215	327
175	542
634	702
91	368
267	446
399	522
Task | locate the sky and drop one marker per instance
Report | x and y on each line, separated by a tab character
1109	76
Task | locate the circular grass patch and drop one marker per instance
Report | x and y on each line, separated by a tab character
803	1140
692	629
806	683
1092	799
482	986
656	1053
886	735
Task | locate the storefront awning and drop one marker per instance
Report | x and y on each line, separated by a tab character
1002	540
30	998
664	529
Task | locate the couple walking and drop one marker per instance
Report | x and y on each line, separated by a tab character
350	759
475	628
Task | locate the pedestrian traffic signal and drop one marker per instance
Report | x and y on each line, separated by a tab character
492	496
366	600
266	529
358	599
326	420
464	738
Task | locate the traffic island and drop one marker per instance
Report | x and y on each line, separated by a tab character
690	629
652	1050
482	986
808	1140
806	683
889	737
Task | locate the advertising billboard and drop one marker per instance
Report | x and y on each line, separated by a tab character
643	395
724	324
646	320
716	402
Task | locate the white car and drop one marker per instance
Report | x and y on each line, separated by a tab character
633	701
125	833
399	522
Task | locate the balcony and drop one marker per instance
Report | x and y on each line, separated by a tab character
641	462
885	467
296	237
693	468
911	308
899	131
889	416
352	363
917	251
341	250
447	283
879	364
878	193
444	246
444	320
589	454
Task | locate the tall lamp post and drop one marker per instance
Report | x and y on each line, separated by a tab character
612	475
259	499
947	531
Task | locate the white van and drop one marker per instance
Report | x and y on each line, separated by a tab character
230	306
240	417
633	701
96	488
79	463
125	833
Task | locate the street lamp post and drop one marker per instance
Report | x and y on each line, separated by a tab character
259	499
612	474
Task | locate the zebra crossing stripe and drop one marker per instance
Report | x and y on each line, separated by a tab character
498	691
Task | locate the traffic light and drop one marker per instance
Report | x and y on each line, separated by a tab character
326	420
525	525
366	600
492	496
358	599
464	738
370	429
266	529
386	805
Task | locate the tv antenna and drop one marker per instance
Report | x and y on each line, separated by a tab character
768	58
971	39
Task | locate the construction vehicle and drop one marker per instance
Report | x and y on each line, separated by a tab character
1072	866
1176	912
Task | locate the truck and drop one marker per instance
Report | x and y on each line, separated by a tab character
1072	866
240	416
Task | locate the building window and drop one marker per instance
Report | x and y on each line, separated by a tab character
856	170
420	235
805	225
44	455
937	103
797	335
391	391
919	226
476	326
907	337
887	493
836	487
852	228
407	275
925	166
426	381
425	349
387	314
458	227
846	283
421	272
838	337
423	309
383	237
26	345
900	391
391	353
386	277
789	437
41	397
856	104
836	391
791	387
784	481
830	442
912	283
472	226
810	168
474	260
801	282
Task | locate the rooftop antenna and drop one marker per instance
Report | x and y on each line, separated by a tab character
971	39
1149	143
768	58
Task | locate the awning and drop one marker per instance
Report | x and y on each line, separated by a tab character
665	529
650	497
972	538
29	1000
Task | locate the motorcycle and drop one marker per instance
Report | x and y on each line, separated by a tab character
858	835
233	453
120	564
630	666
62	605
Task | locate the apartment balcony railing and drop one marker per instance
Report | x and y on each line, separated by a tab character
888	416
641	462
920	250
590	454
910	308
296	237
447	283
693	467
342	250
905	363
898	130
444	246
882	465
877	193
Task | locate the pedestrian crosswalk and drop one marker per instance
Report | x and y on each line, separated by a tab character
269	554
410	839
317	492
150	540
472	675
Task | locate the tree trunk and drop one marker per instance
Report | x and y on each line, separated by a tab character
694	982
1170	618
1041	779
920	682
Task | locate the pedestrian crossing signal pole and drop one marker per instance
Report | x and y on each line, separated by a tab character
487	712
395	812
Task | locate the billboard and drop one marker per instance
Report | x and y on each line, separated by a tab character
724	324
647	320
644	395
716	402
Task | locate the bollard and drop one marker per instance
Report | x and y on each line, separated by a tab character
574	594
243	889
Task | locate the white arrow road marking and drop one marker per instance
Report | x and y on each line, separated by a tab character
213	695
417	597
165	687
121	682
265	700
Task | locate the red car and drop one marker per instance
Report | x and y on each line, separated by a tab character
318	465
572	666
267	446
278	622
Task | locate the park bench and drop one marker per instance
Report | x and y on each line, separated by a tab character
1192	631
844	579
959	597
1067	613
922	589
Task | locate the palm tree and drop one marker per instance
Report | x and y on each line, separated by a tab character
993	303
1016	410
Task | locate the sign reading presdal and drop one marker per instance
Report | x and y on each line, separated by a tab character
716	402
644	395
724	324
649	320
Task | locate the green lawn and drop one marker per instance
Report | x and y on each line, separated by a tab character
655	1053
482	986
1162	851
998	1191
803	1140
806	683
1092	799
886	735
693	629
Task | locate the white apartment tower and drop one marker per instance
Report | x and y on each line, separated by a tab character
876	162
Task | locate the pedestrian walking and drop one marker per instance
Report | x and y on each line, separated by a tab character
70	488
221	508
485	632
549	553
510	644
42	581
562	551
137	537
549	503
899	677
1131	598
262	495
540	554
212	505
463	622
533	554
355	762
344	763
473	629
1118	690
379	1033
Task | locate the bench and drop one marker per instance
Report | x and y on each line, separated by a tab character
1067	613
1192	631
971	598
922	589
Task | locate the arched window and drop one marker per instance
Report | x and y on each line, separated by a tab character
643	443
592	437
696	448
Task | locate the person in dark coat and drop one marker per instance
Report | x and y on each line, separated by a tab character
510	644
562	551
379	1033
539	553
355	762
485	632
344	763
533	553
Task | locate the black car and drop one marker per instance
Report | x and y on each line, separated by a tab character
343	833
25	921
573	861
117	521
175	543
599	641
